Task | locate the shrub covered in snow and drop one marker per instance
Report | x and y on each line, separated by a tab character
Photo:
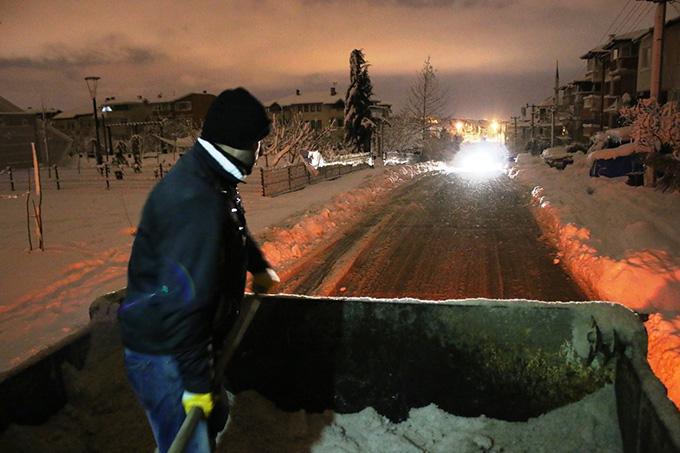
656	129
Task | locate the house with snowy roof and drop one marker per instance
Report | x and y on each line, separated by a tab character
323	108
190	106
319	108
19	128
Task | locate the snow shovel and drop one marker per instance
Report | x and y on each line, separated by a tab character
249	307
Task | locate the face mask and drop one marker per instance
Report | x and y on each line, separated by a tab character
246	157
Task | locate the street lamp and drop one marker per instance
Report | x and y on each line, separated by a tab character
92	87
108	142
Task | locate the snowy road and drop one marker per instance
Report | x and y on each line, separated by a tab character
445	236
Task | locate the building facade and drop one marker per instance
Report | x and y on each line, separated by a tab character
670	63
319	108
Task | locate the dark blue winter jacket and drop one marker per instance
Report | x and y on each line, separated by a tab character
188	266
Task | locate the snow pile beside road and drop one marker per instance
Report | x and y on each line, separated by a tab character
620	243
285	244
257	425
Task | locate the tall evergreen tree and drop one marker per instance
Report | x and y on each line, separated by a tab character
358	122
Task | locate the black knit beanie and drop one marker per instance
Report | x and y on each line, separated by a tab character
235	118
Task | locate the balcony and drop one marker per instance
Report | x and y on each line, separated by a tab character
623	64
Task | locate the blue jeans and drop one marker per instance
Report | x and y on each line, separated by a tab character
158	386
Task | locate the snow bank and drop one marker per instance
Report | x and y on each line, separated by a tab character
620	243
257	425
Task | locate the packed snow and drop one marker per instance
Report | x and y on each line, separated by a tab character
257	425
620	243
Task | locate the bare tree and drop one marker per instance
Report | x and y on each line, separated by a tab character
427	100
290	138
402	133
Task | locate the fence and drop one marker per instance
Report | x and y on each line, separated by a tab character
277	181
105	176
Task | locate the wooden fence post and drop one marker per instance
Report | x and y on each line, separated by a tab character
38	192
264	192
106	175
11	178
56	177
290	183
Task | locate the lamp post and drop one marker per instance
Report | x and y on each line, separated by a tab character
108	142
92	87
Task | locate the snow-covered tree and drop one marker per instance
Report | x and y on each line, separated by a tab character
289	139
427	100
656	129
359	124
402	133
653	126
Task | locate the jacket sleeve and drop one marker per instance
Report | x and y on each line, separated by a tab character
190	247
256	260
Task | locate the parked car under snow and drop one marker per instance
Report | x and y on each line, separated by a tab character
613	154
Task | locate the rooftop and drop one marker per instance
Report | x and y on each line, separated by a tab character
73	113
309	97
7	107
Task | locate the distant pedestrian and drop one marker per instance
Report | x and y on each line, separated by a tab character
187	272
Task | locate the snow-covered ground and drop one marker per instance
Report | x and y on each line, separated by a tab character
620	243
45	296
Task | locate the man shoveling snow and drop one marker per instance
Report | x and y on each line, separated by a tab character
187	272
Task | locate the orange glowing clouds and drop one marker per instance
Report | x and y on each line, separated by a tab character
273	47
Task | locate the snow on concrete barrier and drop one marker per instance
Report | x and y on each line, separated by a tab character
617	243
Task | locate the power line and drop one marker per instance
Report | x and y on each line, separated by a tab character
645	13
636	10
677	10
625	6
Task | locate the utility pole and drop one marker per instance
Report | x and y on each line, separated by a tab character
656	78
514	120
92	87
603	67
533	108
657	49
44	130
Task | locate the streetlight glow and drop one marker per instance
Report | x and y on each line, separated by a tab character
494	126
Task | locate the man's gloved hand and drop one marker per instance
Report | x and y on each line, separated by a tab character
202	400
266	281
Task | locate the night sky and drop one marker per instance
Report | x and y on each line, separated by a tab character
492	55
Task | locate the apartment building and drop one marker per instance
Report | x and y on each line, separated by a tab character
670	63
319	108
19	128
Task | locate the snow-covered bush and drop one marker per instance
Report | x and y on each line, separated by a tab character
657	129
654	126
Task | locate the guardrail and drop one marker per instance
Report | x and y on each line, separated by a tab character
277	181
